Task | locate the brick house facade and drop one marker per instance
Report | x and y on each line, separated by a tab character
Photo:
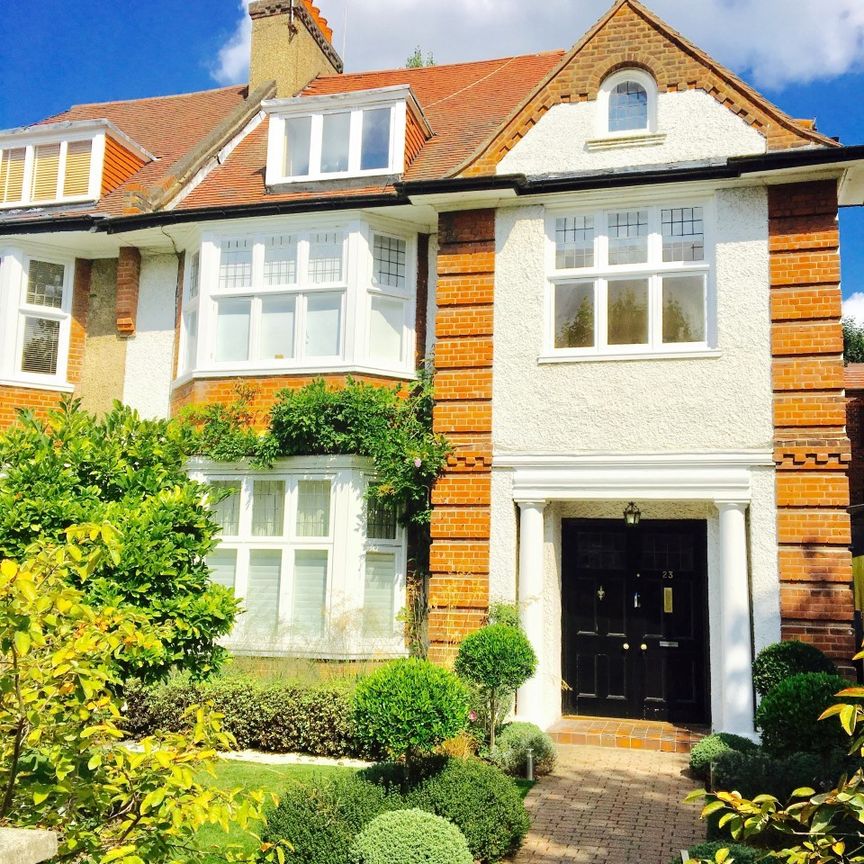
622	263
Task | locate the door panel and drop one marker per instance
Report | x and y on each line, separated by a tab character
635	621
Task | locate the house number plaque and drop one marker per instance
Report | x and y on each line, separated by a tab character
668	601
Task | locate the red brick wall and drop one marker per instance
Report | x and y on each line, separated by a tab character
812	451
459	560
855	431
12	399
128	281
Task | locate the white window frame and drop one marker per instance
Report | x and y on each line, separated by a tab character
346	545
639	76
14	309
356	287
315	107
654	271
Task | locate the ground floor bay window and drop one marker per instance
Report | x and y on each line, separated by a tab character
320	570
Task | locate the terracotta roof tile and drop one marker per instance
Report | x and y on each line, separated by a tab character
854	376
464	104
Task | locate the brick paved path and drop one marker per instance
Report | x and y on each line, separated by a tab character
607	806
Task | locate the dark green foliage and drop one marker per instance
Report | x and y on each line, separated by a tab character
756	772
73	468
276	718
853	341
480	800
789	715
497	659
409	707
712	746
738	853
511	750
785	659
321	819
411	837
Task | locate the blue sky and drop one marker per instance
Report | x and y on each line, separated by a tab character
811	63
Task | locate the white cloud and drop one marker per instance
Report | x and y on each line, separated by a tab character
853	307
771	42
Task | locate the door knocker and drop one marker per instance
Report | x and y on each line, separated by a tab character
601	593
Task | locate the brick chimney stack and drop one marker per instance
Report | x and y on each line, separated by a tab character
291	45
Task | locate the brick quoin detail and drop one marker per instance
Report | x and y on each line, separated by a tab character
128	282
812	452
632	36
40	402
459	559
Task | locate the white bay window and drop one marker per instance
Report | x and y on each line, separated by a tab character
35	318
319	571
335	298
629	281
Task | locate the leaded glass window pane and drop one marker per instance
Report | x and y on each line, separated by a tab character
390	253
280	260
235	265
268	508
574	242
380	521
326	250
45	284
226	513
683	234
313	508
628	107
628	237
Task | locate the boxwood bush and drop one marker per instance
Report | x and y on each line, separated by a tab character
782	660
789	715
756	772
511	750
710	747
411	837
276	718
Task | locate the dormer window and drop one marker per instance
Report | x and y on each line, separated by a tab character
345	135
627	104
65	162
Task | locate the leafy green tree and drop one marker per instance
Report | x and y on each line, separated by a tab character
417	61
72	468
853	341
498	659
825	828
63	765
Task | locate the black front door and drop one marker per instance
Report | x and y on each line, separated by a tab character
635	619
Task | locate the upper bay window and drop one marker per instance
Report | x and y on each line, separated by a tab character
629	281
627	104
35	318
344	135
336	297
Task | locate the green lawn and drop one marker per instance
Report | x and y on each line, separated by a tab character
251	775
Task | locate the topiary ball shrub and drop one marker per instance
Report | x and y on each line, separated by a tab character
778	662
480	800
738	853
511	750
410	707
498	659
789	715
321	819
710	747
411	837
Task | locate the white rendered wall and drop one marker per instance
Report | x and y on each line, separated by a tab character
635	406
696	126
150	352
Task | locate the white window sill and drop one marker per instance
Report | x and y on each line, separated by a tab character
615	142
56	386
32	205
317	648
705	354
287	372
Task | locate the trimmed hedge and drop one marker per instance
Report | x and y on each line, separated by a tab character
759	773
411	837
738	853
511	750
321	819
789	715
275	718
782	660
712	746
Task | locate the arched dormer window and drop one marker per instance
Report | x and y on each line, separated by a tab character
627	104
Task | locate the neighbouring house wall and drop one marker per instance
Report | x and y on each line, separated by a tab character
459	562
696	126
150	352
812	452
104	351
637	406
855	432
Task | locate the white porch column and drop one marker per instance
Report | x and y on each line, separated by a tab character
736	646
530	697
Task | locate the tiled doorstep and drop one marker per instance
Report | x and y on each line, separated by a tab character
626	734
